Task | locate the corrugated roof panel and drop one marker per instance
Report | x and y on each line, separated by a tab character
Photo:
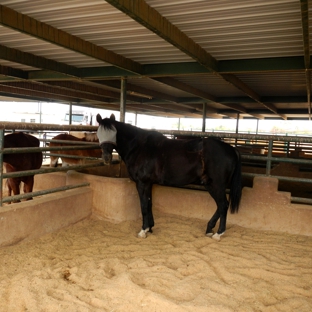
100	23
270	84
211	84
151	84
226	29
29	44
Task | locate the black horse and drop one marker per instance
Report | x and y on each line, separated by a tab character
151	158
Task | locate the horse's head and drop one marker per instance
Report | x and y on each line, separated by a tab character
107	137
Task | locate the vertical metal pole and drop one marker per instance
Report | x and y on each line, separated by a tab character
236	131
70	113
268	166
237	122
123	96
123	99
136	119
204	117
1	163
40	112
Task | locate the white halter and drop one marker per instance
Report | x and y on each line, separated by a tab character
106	135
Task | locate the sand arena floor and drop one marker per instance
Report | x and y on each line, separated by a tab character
99	266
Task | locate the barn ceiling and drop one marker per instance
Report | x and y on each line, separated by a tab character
182	58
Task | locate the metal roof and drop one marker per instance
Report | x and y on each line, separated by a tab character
245	57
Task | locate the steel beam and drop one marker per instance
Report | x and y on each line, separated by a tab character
141	12
35	28
32	60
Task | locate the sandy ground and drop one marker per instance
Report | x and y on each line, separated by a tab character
99	266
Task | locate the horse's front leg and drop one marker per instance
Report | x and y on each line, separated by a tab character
145	194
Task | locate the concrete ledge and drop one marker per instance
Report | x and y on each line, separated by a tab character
34	218
262	207
114	199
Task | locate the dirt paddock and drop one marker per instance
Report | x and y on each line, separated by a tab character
96	265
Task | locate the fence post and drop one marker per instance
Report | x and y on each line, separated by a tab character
268	166
1	164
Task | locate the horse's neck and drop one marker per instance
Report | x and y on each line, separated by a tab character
126	141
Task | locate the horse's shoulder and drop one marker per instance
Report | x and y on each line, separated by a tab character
20	139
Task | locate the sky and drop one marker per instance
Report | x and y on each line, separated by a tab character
55	113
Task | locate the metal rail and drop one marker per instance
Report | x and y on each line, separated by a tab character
270	143
82	146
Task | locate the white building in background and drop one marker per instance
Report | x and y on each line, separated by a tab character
48	113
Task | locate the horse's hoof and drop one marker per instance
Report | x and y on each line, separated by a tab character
217	236
210	234
142	233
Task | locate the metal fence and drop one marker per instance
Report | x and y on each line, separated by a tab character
266	150
39	130
263	149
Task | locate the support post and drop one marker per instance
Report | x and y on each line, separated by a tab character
70	117
123	96
269	157
204	117
136	119
236	131
1	164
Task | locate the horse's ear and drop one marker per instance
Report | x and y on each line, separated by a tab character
112	117
98	118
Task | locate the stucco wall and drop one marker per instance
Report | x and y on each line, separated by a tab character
262	207
46	214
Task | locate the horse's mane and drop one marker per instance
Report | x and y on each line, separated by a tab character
129	130
90	137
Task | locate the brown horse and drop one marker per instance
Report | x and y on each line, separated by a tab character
21	161
97	153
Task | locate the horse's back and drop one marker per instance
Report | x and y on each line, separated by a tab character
219	151
20	139
22	161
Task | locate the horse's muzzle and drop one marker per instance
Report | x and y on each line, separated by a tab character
107	159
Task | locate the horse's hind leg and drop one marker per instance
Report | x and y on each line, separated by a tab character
8	184
212	223
28	185
145	194
14	185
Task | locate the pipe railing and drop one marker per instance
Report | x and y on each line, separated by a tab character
40	127
271	143
292	142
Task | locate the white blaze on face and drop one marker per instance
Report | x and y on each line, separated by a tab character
106	135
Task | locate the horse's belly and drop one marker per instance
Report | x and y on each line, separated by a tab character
181	175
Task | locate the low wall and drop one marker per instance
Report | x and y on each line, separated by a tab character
34	218
114	199
262	206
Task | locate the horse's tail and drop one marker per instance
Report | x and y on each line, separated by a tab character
236	185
